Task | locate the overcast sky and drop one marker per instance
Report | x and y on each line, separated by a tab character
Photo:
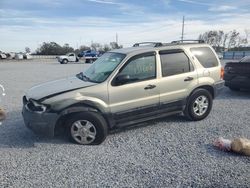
31	22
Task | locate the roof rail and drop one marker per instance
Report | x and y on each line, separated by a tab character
154	44
187	41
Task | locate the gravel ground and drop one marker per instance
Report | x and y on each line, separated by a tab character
170	152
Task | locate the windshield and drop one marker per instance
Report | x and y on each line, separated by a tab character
103	67
245	59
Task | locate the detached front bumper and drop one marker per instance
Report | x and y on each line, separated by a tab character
40	123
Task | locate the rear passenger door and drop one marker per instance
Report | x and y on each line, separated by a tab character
179	78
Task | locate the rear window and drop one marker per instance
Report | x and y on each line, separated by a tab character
205	56
245	59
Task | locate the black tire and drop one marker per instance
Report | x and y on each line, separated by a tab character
234	88
99	123
191	105
65	61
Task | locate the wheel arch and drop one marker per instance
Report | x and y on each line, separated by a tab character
206	87
79	108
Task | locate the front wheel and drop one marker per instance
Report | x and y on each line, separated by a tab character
65	61
199	105
87	128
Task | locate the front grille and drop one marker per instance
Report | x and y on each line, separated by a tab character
31	106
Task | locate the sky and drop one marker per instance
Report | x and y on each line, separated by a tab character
29	23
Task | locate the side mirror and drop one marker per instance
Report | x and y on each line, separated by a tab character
122	79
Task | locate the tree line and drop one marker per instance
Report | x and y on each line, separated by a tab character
52	48
230	41
220	40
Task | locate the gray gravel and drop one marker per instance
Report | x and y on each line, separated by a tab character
170	152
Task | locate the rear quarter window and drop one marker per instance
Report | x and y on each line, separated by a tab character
205	56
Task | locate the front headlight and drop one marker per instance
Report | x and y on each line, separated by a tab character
36	107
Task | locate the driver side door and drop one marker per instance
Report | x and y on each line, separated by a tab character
138	95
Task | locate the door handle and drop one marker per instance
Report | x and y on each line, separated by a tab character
188	79
150	87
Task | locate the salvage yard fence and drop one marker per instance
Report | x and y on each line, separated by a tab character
44	56
235	54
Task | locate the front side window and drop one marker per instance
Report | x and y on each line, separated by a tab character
174	63
139	68
205	56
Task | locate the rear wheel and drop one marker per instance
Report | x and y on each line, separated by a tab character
199	105
87	128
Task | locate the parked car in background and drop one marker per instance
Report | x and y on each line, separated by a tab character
18	56
2	55
245	59
27	56
237	74
11	55
69	57
89	53
127	86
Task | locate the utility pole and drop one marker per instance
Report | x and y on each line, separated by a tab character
116	38
183	25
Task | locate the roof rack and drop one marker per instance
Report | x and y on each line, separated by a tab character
187	41
154	44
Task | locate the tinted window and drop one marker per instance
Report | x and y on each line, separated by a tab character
140	68
174	63
205	56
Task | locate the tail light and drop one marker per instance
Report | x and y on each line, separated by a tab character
222	73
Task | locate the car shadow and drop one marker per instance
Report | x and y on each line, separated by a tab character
14	134
226	94
172	119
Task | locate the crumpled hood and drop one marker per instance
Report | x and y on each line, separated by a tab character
56	87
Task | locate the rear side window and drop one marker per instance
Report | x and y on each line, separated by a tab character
205	56
174	63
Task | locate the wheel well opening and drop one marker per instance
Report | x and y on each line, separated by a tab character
209	88
60	126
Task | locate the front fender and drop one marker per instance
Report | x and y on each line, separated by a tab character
75	109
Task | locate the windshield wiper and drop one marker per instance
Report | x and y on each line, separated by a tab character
83	77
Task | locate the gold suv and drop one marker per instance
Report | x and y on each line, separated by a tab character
127	86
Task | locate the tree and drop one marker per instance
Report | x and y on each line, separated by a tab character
96	46
106	48
52	48
27	49
220	40
114	45
233	39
